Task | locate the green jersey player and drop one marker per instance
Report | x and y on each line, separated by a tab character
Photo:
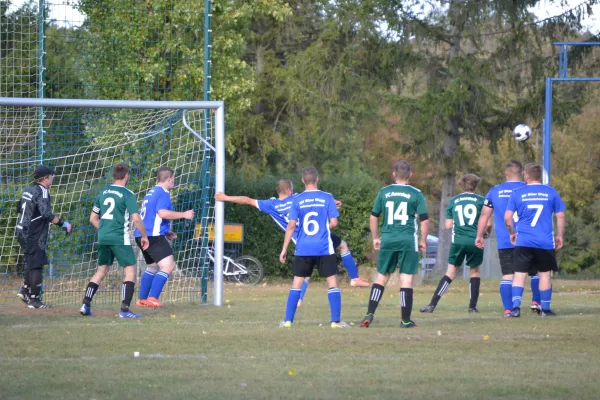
113	210
462	216
399	205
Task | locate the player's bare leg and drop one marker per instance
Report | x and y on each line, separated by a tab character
441	288
166	265
474	284
350	264
376	294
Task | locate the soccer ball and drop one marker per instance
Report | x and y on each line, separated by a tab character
521	132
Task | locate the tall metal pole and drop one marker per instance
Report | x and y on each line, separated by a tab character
219	206
41	56
207	161
547	142
207	48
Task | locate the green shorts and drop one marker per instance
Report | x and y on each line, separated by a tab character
406	260
123	253
458	252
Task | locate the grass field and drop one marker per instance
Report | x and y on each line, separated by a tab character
238	351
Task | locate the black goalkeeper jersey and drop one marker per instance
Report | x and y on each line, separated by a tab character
35	214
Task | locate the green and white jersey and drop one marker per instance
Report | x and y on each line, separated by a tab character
465	209
400	205
114	205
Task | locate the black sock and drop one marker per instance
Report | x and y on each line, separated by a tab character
474	292
406	300
376	293
35	280
441	289
90	292
26	280
127	294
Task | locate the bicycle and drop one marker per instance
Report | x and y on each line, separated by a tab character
244	269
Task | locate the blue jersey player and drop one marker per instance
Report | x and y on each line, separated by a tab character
313	213
496	200
278	208
157	213
534	240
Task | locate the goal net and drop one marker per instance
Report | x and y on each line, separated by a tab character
81	140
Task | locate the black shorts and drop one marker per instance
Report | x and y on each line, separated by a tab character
337	241
158	249
35	256
506	261
532	260
303	265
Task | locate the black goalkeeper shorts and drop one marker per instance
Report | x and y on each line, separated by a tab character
35	256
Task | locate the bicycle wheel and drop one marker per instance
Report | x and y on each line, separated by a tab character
254	268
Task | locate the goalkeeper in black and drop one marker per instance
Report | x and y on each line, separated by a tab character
34	216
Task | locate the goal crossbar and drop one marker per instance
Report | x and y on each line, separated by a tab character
219	150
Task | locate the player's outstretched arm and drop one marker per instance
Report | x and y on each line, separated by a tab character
139	224
220	196
95	219
560	229
289	232
170	215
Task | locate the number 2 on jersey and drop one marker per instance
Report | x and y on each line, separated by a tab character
400	214
110	202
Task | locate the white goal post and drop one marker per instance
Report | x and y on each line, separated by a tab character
113	126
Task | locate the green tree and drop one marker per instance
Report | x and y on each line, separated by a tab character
482	66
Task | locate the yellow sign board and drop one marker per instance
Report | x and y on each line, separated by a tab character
233	233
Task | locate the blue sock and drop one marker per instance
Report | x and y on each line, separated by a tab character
159	282
506	293
517	295
546	298
335	304
292	304
146	284
350	265
535	289
303	290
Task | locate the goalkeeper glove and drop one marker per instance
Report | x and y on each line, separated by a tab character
65	226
